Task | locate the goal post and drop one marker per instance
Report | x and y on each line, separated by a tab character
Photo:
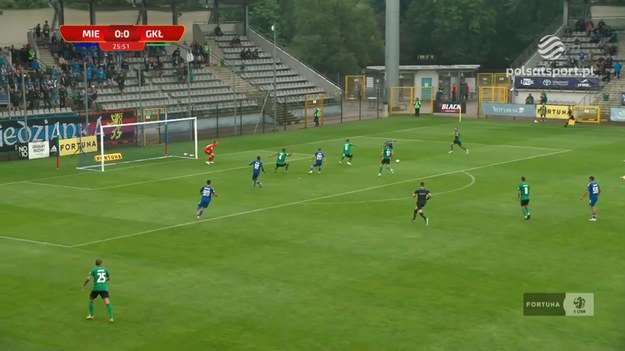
142	141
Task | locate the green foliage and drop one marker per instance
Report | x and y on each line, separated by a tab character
332	36
29	4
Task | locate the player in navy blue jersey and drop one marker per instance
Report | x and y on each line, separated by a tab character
257	166
207	192
592	191
422	195
317	161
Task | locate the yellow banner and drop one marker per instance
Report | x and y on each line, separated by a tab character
554	111
108	157
76	145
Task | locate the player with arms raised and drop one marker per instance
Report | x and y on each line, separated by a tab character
210	151
347	152
387	154
423	195
457	141
207	192
523	195
592	191
281	160
100	276
257	166
318	158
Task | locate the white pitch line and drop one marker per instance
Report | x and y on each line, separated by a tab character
310	200
34	242
399	198
57	185
224	154
182	176
470	143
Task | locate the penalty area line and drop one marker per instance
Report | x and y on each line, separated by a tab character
237	214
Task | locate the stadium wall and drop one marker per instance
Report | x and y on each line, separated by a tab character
553	97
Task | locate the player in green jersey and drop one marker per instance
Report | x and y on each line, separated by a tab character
347	152
523	195
386	155
100	276
281	160
457	141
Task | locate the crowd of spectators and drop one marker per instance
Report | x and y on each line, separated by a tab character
59	86
600	55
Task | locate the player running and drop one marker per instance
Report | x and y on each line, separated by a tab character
457	141
100	276
347	152
387	154
210	151
423	195
317	161
207	192
257	166
523	195
592	191
281	160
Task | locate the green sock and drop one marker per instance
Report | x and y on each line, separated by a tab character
528	210
109	308
380	171
91	308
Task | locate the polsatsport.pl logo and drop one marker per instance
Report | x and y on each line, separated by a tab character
550	47
558	72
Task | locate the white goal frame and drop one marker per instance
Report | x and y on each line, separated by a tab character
163	122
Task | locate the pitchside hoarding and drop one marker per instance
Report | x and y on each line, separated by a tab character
512	110
551	83
16	132
449	107
617	114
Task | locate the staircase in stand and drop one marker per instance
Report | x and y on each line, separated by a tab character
223	73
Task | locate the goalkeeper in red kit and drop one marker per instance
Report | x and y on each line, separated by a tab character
210	151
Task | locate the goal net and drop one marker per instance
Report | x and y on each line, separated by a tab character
125	143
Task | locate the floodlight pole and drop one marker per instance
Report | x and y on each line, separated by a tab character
275	90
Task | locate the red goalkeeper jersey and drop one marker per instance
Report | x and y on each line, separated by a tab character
209	148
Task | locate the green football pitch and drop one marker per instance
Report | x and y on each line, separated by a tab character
328	261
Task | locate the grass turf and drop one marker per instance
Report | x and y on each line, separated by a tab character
325	261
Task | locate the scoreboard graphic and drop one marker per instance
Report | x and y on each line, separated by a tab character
121	37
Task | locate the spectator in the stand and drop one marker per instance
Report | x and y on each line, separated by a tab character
454	90
121	81
93	96
125	66
582	57
101	76
218	31
595	38
46	32
617	69
62	97
38	30
189	58
567	31
32	55
590	26
235	41
529	100
543	98
577	43
206	51
579	25
466	92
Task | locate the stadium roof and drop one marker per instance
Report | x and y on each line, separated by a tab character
429	68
